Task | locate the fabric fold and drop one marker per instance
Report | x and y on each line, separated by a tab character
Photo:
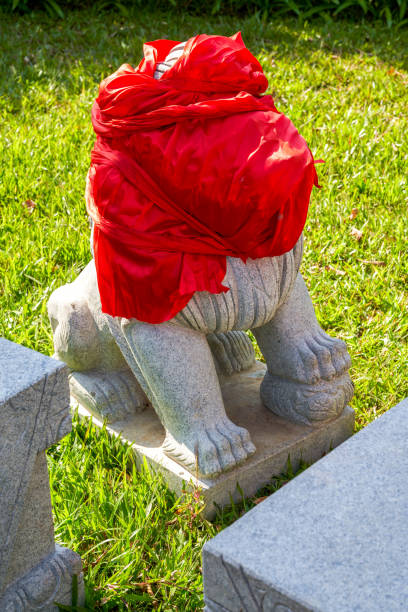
187	170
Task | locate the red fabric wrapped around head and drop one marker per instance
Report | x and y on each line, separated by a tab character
187	170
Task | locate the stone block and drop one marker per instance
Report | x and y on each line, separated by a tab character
275	438
333	539
34	412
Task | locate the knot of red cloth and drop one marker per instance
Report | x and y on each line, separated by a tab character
187	170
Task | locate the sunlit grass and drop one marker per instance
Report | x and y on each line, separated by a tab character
344	86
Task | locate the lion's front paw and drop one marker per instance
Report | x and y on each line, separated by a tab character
208	451
317	356
311	383
304	403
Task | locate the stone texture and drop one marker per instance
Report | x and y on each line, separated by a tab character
119	366
34	538
34	411
48	583
333	539
275	439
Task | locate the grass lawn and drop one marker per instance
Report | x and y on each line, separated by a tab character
344	86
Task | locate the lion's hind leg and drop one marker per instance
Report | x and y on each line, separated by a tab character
232	351
100	378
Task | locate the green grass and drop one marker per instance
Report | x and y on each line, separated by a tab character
344	86
140	548
140	545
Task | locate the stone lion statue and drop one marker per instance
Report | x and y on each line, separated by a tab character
121	365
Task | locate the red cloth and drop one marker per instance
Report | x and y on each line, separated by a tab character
186	170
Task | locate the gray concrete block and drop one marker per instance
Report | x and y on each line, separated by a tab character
34	412
334	539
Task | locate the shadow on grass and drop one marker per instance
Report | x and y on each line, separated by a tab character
35	47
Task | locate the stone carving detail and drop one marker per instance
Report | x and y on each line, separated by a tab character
251	597
246	595
119	366
128	364
27	431
46	584
57	419
34	411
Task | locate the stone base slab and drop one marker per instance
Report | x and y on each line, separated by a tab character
48	583
276	441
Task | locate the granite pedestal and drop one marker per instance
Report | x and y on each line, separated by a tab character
34	413
275	438
334	539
